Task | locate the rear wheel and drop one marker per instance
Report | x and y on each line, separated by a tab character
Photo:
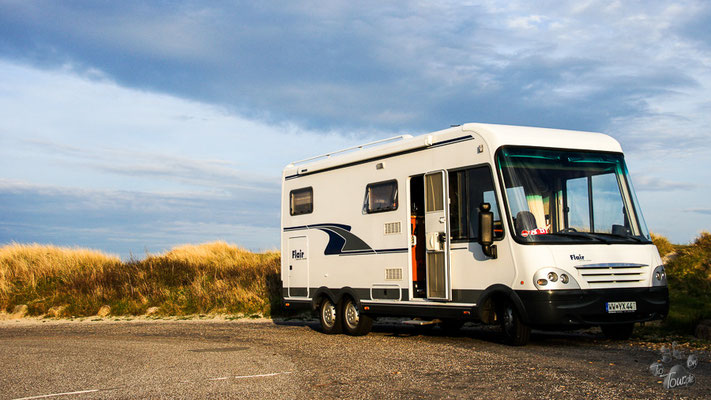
516	333
617	331
355	323
328	316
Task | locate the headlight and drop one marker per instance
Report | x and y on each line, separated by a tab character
551	278
564	278
659	276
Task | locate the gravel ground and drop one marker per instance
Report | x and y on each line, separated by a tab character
292	359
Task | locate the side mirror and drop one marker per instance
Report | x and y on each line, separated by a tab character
486	230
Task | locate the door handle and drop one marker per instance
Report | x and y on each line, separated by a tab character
435	241
291	267
441	220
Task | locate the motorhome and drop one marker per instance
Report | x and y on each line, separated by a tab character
517	226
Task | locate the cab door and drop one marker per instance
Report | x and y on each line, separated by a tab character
437	235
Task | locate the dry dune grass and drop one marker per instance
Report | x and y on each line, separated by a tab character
190	279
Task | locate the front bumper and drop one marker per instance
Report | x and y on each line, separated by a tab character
587	307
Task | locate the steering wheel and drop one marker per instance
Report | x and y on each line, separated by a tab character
569	229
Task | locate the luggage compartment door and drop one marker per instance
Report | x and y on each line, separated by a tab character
298	272
437	235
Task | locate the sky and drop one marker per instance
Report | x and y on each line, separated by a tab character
134	126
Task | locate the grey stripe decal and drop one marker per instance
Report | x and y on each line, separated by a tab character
610	265
344	243
458	295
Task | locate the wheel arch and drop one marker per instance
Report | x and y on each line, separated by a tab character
336	296
347	291
319	295
496	294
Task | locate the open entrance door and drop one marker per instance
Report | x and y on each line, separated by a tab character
417	240
437	235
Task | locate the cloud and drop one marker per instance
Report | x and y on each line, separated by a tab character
126	222
410	66
653	183
99	133
215	174
703	211
87	162
214	99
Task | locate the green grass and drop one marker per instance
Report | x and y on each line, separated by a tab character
688	270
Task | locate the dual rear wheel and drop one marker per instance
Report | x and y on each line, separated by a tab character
328	315
343	317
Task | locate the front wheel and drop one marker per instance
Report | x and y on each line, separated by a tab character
355	323
516	333
617	331
328	316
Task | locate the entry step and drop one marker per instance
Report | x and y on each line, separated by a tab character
420	322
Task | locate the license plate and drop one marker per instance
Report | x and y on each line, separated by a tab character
621	306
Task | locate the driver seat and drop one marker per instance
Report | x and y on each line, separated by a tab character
525	221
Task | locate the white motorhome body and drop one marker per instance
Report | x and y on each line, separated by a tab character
514	225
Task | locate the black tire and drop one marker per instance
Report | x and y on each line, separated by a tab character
354	322
516	333
617	331
329	317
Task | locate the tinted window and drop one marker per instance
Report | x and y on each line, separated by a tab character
302	201
564	196
379	197
435	187
468	188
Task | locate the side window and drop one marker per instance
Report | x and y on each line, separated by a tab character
301	201
379	197
578	204
458	205
607	203
435	186
468	188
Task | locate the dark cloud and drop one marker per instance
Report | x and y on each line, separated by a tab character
340	66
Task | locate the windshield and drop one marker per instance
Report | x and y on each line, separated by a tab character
564	196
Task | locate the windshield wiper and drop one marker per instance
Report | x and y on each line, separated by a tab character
586	235
635	238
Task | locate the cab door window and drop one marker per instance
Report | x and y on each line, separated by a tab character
468	188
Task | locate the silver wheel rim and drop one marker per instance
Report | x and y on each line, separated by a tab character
328	314
352	315
508	319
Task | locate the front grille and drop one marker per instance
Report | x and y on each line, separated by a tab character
612	273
